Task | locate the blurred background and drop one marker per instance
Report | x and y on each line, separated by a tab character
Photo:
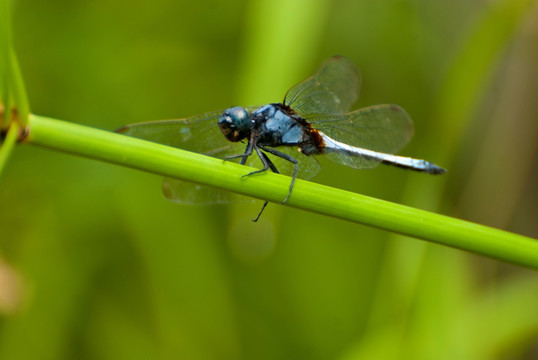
96	264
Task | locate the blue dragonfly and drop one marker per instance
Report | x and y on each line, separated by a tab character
314	119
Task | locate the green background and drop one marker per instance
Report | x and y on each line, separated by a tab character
96	264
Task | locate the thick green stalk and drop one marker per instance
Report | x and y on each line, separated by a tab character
6	147
172	162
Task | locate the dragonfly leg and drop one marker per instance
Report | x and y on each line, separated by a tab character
290	159
244	156
261	211
268	164
265	161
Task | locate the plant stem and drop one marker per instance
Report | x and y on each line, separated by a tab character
6	147
176	163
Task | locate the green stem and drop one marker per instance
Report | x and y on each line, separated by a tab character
176	163
6	147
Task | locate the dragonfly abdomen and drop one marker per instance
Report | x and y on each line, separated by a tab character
414	164
352	156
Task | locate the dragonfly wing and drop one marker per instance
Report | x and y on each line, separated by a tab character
185	192
381	128
199	134
331	90
191	193
308	166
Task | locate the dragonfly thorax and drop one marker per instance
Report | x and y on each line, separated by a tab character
276	126
235	123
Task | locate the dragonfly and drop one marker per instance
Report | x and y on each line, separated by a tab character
314	119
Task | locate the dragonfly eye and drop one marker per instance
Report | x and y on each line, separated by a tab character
235	123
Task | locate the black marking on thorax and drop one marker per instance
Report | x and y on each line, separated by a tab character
315	136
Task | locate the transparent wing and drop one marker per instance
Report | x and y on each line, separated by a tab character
381	128
331	90
201	134
308	165
185	192
191	193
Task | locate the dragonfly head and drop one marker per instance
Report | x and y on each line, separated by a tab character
235	123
